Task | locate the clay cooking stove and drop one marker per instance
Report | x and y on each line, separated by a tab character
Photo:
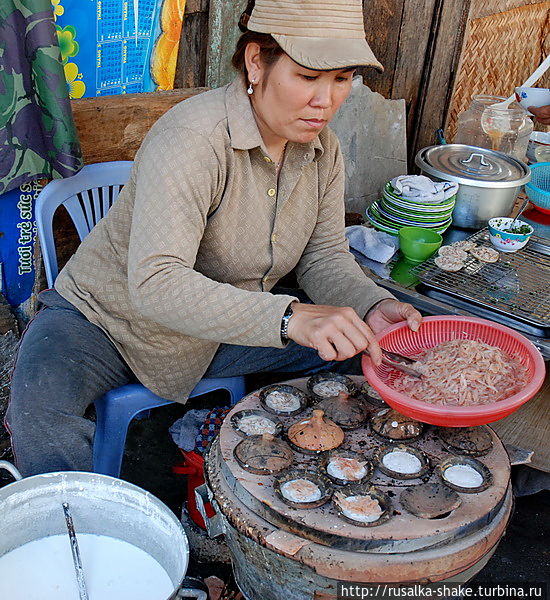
396	500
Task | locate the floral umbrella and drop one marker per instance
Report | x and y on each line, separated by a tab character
37	133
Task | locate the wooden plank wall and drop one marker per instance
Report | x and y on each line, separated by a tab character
223	34
113	127
418	41
193	49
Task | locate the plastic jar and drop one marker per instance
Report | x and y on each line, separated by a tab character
506	130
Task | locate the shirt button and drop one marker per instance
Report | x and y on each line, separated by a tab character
267	159
274	237
271	192
264	279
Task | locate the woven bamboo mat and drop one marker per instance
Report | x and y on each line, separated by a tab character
529	427
500	52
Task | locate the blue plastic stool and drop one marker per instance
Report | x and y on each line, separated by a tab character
116	409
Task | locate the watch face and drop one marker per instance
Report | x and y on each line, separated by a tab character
284	324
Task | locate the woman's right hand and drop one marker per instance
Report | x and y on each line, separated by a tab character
337	333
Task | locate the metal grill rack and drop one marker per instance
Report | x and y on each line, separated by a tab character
518	285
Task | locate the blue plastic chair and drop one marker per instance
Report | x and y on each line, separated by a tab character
88	196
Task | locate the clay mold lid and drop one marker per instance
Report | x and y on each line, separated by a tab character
315	434
345	410
300	488
390	424
402	462
362	505
345	466
371	395
255	422
283	399
263	454
329	385
468	441
464	474
430	500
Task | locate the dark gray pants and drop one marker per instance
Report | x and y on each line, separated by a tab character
65	363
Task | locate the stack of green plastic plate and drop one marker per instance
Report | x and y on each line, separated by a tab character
392	212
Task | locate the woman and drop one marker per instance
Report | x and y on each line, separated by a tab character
230	191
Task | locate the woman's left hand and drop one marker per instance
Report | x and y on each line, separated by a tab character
391	311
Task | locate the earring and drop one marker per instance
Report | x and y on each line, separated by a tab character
250	89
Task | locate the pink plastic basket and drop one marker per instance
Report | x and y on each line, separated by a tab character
435	330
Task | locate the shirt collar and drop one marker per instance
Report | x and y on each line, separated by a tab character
244	132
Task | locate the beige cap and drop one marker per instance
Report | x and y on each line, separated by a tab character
317	34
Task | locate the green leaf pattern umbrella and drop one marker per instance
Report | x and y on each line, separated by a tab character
38	137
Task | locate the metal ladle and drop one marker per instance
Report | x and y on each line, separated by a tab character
82	591
521	209
399	362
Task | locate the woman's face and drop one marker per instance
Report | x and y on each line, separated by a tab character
296	103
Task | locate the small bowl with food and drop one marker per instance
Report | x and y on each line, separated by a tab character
302	488
474	371
507	235
362	505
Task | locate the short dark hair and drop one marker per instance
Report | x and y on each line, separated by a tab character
270	51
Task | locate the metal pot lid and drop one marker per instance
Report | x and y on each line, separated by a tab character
430	500
471	441
345	410
390	424
470	165
263	454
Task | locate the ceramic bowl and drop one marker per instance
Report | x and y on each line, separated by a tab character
538	148
532	96
506	241
418	243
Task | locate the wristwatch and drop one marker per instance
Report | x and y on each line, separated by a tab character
284	324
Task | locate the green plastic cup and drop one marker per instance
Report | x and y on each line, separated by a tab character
418	243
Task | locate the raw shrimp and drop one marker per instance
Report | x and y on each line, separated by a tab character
463	373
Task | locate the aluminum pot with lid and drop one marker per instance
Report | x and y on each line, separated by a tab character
489	181
31	509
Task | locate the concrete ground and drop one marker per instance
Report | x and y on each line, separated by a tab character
523	554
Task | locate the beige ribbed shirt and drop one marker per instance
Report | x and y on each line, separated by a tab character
186	257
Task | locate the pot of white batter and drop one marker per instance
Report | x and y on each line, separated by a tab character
132	546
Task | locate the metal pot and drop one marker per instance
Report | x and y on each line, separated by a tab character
489	181
30	509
